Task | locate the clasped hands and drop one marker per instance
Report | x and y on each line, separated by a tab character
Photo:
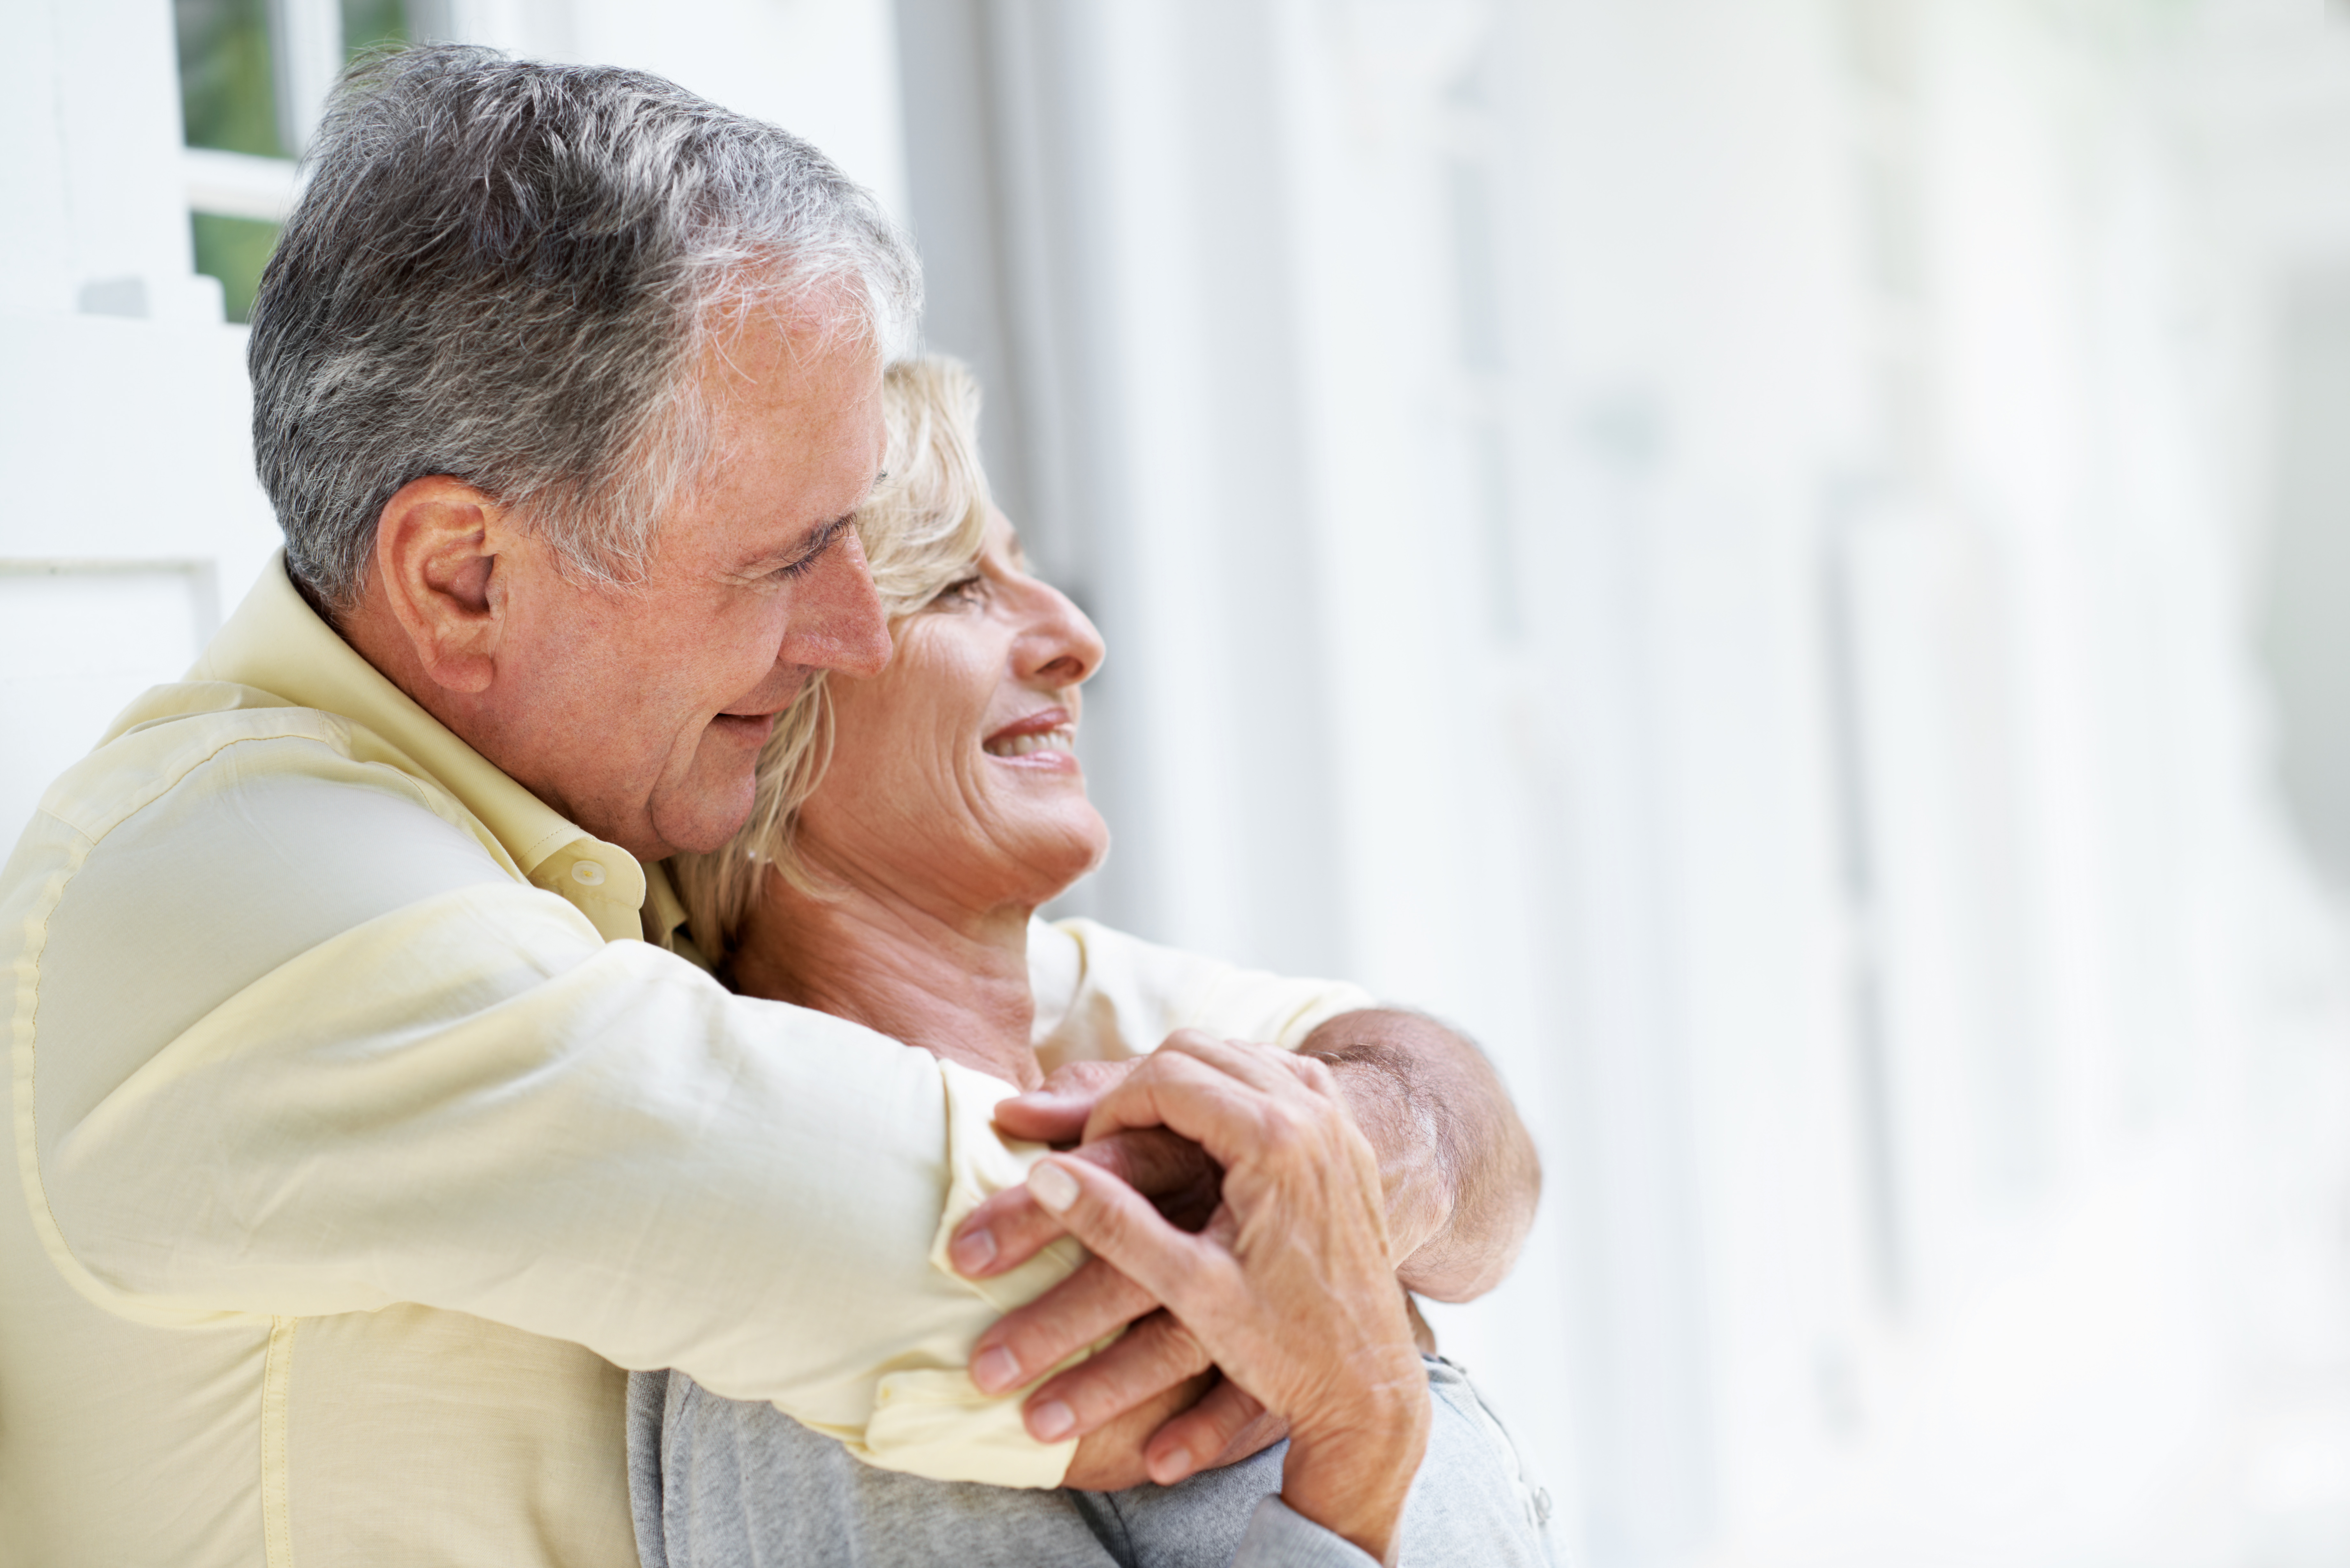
1237	1222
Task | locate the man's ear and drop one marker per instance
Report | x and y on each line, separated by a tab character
436	552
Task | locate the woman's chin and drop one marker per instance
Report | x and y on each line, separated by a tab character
1055	854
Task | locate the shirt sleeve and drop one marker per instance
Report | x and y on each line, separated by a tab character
302	1047
1102	995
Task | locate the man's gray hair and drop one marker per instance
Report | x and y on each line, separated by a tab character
512	271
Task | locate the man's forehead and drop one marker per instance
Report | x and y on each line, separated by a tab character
762	339
763	393
785	459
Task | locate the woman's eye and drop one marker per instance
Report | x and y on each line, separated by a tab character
962	591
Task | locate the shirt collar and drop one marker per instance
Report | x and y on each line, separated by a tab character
665	917
277	643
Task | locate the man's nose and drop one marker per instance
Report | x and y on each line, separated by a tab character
835	621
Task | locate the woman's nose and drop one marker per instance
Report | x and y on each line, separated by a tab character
1059	646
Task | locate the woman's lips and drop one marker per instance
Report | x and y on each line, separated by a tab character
1048	730
1063	740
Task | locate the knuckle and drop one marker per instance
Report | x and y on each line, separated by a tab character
1107	1230
1279	1126
1172	1159
1122	1298
1094	1281
1317	1075
1093	1075
1175	1346
1095	1391
1230	1417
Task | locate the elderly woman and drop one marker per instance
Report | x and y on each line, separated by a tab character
908	826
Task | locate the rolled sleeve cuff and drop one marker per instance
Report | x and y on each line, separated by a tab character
932	1421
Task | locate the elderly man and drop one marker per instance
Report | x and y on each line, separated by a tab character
366	1117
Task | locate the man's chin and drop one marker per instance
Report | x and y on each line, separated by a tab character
701	821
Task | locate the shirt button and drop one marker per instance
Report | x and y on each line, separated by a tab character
587	874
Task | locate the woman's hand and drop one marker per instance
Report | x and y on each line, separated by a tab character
1293	1291
1202	1411
1148	1408
1460	1181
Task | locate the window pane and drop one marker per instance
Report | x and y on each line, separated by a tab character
228	98
233	249
367	23
75	645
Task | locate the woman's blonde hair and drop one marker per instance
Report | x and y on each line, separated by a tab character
923	526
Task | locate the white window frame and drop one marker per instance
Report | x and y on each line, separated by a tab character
305	52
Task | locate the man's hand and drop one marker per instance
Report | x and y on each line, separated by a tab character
1202	1423
1456	1166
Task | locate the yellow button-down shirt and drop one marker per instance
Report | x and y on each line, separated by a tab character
361	1144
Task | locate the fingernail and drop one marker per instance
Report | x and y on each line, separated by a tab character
995	1370
1051	1421
1171	1467
973	1250
1053	1188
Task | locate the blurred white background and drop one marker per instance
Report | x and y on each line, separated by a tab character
1785	562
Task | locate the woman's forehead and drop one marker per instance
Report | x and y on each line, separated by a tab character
1002	538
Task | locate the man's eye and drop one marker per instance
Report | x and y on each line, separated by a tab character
825	541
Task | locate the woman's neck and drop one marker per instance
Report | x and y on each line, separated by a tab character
953	983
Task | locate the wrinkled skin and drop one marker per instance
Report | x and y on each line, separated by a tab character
639	710
914	800
1290	1290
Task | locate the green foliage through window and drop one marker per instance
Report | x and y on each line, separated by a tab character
233	249
368	22
228	94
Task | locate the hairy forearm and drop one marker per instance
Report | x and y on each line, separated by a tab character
1459	1169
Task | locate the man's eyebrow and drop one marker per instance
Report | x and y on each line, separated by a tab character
813	543
807	548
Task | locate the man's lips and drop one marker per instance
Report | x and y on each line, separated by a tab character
746	726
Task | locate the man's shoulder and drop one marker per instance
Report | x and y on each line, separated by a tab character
215	836
211	747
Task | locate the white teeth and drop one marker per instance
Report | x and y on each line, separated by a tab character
1061	740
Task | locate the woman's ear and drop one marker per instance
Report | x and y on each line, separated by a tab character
436	552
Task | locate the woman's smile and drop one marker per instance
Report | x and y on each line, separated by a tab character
1045	740
957	765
